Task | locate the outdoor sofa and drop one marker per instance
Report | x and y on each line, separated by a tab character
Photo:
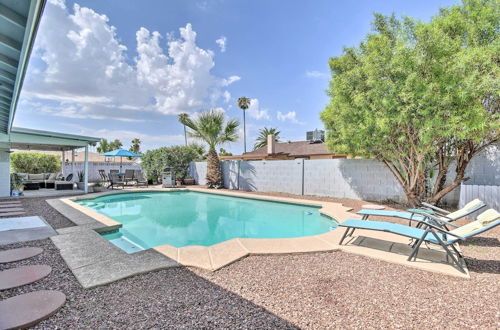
44	180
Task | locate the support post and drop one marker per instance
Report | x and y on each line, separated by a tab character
86	170
62	162
73	163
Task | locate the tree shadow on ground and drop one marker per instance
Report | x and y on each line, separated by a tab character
482	241
170	298
483	266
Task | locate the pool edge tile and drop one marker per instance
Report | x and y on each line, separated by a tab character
196	256
169	251
227	252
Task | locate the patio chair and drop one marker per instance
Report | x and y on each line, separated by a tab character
115	181
419	215
139	179
430	232
129	176
104	178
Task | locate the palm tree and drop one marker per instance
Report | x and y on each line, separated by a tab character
182	117
244	103
211	128
103	146
262	138
136	145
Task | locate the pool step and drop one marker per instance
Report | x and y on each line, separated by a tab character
127	245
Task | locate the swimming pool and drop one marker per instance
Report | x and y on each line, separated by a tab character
184	218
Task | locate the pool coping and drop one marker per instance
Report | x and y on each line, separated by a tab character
222	254
219	255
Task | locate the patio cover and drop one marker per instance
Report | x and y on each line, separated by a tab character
19	22
31	139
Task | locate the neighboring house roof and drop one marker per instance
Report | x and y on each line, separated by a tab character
294	149
19	22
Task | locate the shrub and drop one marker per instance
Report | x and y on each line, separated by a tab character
33	162
176	157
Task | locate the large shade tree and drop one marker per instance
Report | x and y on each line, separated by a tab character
422	97
212	128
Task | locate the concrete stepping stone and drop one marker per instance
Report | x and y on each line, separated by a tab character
12	278
2	206
11	209
21	223
10	202
28	309
19	254
11	214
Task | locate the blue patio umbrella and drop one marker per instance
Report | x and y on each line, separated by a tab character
121	153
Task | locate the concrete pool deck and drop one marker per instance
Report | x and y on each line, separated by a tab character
96	261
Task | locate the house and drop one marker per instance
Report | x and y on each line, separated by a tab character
315	149
19	22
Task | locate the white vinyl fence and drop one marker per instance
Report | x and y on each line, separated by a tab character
484	182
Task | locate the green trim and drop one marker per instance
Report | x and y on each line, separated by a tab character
29	131
33	21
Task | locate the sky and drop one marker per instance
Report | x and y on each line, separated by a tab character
126	69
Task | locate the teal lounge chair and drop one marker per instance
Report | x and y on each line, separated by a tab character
431	232
420	215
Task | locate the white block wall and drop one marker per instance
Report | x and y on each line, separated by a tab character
94	168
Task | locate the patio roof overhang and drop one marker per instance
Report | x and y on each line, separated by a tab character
31	139
19	22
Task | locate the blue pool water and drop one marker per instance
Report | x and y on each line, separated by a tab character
182	218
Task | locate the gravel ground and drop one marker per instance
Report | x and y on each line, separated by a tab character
319	290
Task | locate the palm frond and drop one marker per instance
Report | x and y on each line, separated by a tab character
243	103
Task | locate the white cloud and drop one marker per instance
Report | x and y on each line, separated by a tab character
227	96
125	136
222	43
289	116
255	112
316	74
86	68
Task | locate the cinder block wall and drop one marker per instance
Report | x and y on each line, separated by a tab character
349	178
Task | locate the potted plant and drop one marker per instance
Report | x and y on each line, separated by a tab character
17	186
150	179
98	187
80	183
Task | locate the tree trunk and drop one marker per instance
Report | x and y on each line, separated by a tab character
214	174
412	192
